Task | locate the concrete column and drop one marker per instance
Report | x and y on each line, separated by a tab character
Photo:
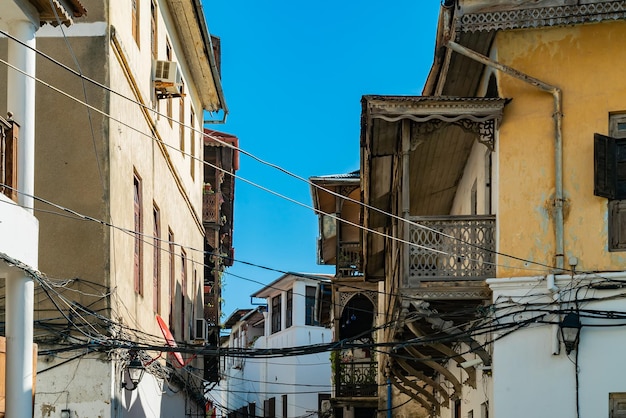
19	340
21	101
19	287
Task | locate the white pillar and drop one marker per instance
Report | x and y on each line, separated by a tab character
19	340
21	101
20	288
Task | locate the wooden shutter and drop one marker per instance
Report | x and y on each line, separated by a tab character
604	166
617	405
138	238
609	156
156	260
617	225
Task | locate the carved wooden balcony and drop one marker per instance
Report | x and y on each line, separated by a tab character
212	309
349	260
211	205
356	378
450	248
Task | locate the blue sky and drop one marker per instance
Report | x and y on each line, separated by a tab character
293	75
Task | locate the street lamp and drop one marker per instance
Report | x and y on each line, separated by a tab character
134	372
570	331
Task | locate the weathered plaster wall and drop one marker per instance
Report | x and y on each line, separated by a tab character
582	61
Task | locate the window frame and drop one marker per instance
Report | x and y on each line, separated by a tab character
610	178
276	314
289	309
616	398
172	274
154	35
138	228
309	305
135	20
156	258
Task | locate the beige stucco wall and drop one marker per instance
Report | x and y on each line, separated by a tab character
132	149
584	62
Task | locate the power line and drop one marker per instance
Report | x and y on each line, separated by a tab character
272	166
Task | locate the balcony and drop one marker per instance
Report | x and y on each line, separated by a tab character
356	379
211	205
463	248
212	308
349	260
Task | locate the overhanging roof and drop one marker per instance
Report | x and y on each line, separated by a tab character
441	132
192	29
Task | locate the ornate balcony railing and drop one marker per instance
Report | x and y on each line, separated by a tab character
211	204
451	248
357	379
349	259
212	309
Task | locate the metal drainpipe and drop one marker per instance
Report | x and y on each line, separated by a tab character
558	135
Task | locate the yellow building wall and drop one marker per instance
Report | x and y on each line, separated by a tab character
587	63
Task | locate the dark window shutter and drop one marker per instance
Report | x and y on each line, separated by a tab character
604	166
620	172
617	225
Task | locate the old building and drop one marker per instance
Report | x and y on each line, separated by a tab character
296	314
221	157
491	217
118	189
355	302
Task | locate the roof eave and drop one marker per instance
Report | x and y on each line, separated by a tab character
198	51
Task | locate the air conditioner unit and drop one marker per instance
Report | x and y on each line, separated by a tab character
199	330
167	77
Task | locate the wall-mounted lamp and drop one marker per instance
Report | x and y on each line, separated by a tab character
133	374
65	413
570	331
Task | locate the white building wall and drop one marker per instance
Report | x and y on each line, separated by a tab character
525	361
19	232
300	377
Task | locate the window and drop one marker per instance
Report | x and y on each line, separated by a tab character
168	56
474	199
153	30
135	19
484	410
488	181
610	178
309	303
138	209
181	119
470	414
192	144
276	308
456	409
172	288
269	408
284	399
617	405
156	259
289	309
183	290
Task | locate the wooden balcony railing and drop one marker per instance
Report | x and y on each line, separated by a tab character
211	204
356	379
212	309
349	259
451	248
8	158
